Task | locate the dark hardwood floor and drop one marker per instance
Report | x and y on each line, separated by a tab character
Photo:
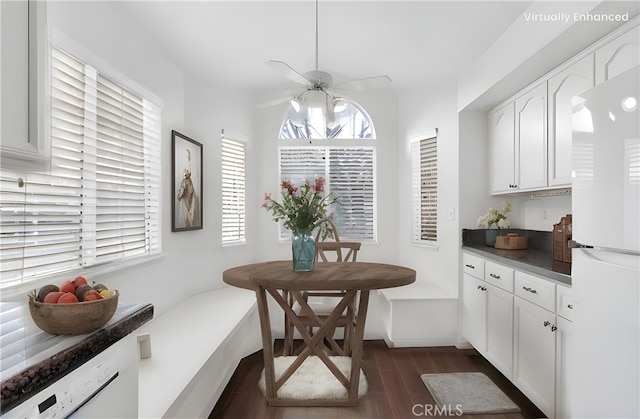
394	381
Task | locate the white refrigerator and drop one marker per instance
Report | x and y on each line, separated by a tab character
603	359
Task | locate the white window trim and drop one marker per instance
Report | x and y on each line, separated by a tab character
243	142
415	240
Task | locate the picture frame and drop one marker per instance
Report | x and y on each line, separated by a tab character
186	188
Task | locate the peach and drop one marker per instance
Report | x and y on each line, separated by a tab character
67	286
53	297
68	298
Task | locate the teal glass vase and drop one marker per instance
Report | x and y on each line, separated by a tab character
490	236
303	247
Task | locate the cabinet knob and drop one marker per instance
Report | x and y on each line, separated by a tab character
494	276
546	323
570	306
554	328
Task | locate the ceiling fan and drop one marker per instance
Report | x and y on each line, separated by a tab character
321	81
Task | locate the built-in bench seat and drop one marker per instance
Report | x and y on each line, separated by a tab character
420	314
195	348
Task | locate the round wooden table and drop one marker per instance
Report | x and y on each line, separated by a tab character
354	279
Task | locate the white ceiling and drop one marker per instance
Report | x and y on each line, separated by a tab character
416	43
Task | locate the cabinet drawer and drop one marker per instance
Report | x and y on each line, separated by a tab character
473	265
564	302
536	290
498	275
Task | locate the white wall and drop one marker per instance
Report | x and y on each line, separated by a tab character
421	112
193	260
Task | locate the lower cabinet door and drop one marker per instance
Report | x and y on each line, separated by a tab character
499	335
474	311
534	353
564	346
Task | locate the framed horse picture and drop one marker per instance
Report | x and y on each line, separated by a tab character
186	175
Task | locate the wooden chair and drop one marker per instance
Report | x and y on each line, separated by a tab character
322	303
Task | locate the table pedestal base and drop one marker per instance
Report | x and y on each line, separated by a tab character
314	346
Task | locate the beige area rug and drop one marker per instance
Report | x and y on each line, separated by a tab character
468	392
313	380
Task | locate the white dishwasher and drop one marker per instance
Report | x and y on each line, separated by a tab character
105	386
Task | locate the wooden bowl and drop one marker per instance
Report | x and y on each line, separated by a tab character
74	318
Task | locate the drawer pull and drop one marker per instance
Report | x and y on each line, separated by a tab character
470	266
547	323
554	328
481	288
494	276
531	290
570	306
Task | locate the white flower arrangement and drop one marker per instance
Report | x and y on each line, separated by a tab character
493	216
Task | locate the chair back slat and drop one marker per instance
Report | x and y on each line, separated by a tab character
337	251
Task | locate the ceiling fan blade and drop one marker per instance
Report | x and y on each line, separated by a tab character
284	69
273	102
376	82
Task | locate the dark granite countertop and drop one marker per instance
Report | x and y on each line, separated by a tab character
537	259
34	359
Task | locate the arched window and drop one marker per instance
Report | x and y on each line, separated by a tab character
344	154
322	116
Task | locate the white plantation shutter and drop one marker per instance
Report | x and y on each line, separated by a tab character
424	161
351	177
233	190
100	200
349	172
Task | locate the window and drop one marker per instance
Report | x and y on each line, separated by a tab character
424	163
99	203
322	116
347	165
349	172
233	191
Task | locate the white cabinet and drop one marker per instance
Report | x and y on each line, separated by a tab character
530	133
562	88
487	318
534	350
474	312
502	154
531	136
521	323
23	82
499	329
564	341
618	56
518	143
499	275
487	321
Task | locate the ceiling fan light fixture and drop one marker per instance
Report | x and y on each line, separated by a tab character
296	103
339	104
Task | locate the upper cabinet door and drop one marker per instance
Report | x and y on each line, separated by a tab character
618	56
23	83
562	88
14	73
502	154
531	135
